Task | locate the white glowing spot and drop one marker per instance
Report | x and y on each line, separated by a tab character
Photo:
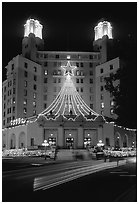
103	28
33	26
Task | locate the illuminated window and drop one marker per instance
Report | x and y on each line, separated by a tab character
35	87
82	73
59	72
112	111
35	78
34	103
45	72
112	103
25	102
102	104
25	74
45	80
25	65
25	83
25	110
91	81
34	95
77	73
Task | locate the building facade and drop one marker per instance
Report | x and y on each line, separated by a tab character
35	80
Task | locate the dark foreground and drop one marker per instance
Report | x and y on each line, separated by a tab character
109	185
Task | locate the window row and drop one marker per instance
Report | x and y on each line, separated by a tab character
111	68
26	66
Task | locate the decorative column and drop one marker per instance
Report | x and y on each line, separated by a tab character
60	139
80	137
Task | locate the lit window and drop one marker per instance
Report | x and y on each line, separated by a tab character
34	103
112	103
25	110
59	72
91	81
112	111
82	73
102	105
34	95
14	100
25	102
25	83
101	71
45	72
77	73
26	65
35	69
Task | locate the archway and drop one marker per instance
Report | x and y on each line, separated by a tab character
117	140
13	141
22	140
125	140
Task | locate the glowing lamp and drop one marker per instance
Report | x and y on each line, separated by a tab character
33	26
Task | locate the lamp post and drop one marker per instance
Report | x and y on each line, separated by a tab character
45	144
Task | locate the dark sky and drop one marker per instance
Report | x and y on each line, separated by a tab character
67	26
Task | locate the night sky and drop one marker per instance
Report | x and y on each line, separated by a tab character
67	26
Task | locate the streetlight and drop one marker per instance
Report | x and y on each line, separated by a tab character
45	144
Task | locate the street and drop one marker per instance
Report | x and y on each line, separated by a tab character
79	181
